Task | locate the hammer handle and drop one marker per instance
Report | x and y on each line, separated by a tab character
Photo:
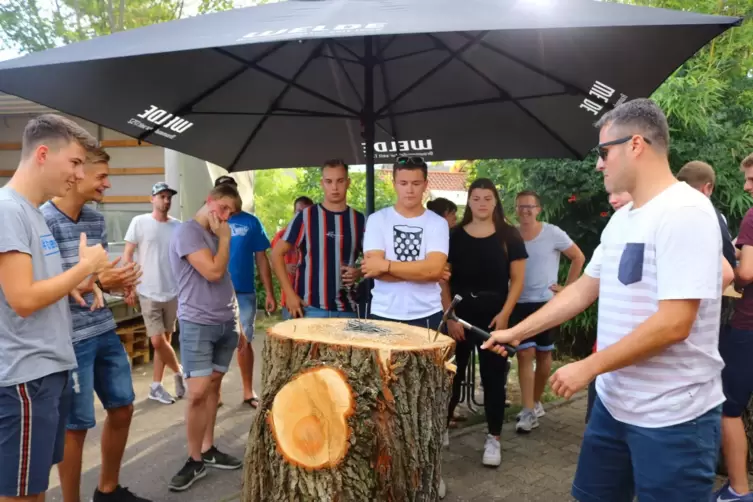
485	336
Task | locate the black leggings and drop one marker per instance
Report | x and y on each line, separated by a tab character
493	377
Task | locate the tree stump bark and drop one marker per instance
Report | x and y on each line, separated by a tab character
349	415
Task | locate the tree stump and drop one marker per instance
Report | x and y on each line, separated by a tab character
348	414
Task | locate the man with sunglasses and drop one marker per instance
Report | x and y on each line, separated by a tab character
405	251
654	428
329	237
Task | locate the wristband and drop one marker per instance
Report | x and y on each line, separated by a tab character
99	285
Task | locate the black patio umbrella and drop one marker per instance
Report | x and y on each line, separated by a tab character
293	83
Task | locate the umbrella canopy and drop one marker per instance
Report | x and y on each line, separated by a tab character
290	84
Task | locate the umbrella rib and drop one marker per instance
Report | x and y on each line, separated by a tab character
187	107
409	54
339	61
475	40
572	88
325	56
504	93
274	104
287	112
350	51
475	102
287	81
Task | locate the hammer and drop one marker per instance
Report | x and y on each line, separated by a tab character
449	315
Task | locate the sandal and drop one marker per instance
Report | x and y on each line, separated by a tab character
252	402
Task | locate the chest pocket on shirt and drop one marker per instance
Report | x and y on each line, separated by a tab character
631	263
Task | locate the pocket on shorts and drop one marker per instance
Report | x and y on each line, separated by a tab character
631	263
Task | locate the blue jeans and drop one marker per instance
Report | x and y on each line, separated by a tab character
103	367
315	313
619	461
736	349
247	313
206	348
33	416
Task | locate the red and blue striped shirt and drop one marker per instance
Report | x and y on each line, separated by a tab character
326	240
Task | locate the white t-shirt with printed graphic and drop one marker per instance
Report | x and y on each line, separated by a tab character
668	249
406	239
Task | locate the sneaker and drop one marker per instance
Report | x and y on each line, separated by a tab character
215	458
492	452
725	494
442	491
180	386
158	393
446	439
120	494
187	476
538	410
527	422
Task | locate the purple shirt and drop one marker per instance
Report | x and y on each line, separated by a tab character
199	301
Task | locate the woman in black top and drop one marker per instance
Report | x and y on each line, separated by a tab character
487	256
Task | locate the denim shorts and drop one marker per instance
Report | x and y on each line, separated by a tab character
432	322
103	367
544	341
33	416
619	461
247	313
206	348
316	313
736	349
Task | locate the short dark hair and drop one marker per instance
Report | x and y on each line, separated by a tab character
696	174
639	116
226	190
335	163
529	193
53	128
304	199
410	164
225	180
442	206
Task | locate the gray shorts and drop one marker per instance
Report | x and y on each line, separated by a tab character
207	348
159	317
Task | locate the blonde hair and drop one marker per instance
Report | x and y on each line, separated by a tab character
697	174
50	128
747	162
98	155
226	191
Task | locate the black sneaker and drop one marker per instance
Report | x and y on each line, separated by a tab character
215	458
120	494
187	476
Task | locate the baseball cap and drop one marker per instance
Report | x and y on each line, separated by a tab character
225	180
162	186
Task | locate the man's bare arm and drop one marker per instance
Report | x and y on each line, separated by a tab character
279	251
570	302
211	267
25	295
744	270
265	272
577	262
429	269
669	325
386	277
130	248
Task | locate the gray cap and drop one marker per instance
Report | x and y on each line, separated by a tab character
162	186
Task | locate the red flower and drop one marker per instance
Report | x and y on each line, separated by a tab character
571	199
604	214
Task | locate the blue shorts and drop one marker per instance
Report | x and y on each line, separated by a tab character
432	322
315	313
619	461
103	367
206	348
247	313
736	349
544	341
33	416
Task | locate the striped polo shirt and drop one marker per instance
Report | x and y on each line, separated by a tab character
67	233
326	241
668	249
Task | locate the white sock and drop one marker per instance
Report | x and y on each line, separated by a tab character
156	385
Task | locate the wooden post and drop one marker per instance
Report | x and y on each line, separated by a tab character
349	414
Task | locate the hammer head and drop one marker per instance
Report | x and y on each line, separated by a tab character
449	314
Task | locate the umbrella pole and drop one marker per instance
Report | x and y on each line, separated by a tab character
369	121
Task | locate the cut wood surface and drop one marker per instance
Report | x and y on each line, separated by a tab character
347	414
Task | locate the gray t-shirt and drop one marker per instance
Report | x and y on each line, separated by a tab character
543	263
199	300
40	344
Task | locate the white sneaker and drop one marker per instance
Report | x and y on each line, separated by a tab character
446	439
180	386
158	393
527	422
538	410
442	488
492	452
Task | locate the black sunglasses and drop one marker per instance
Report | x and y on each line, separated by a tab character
411	161
603	151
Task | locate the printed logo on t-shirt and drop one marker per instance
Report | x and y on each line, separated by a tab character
49	245
238	230
407	242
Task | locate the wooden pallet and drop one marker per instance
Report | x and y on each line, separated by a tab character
133	336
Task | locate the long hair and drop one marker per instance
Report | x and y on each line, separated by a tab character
503	229
442	206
